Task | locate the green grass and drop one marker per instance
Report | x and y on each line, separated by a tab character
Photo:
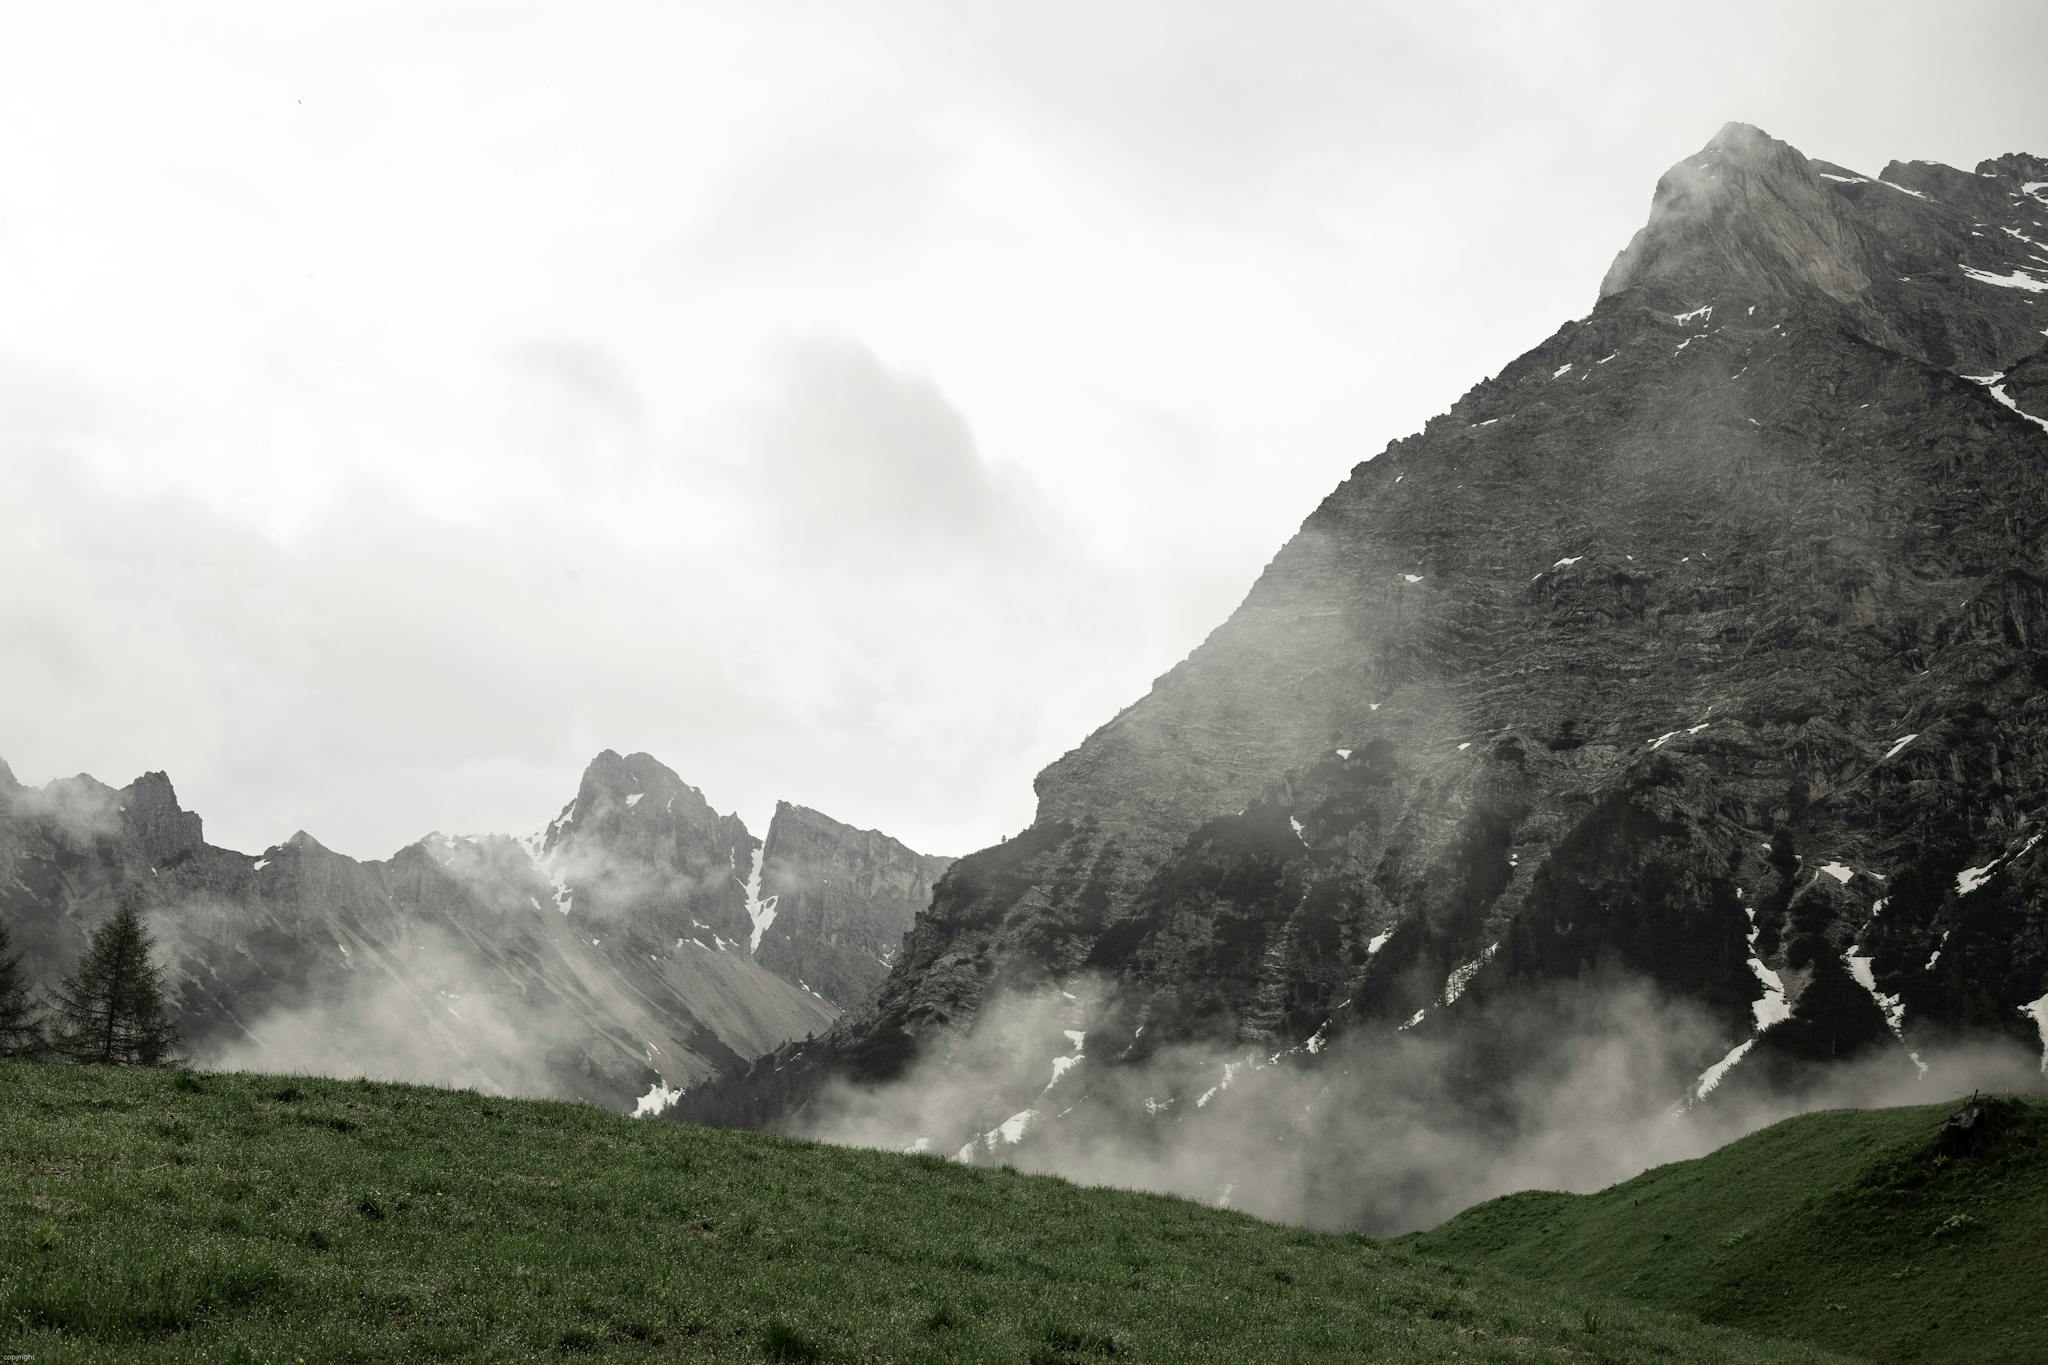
1846	1229
174	1217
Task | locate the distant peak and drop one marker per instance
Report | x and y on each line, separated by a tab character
1741	137
2018	166
152	789
7	781
615	774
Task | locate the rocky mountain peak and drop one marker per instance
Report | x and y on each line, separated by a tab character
167	831
7	782
2016	166
632	786
843	898
1746	213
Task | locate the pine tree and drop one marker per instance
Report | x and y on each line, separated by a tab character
111	1010
21	1025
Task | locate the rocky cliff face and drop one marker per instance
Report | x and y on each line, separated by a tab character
842	899
1702	645
605	957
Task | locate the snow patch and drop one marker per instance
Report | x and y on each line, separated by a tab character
1562	370
1230	1070
1297	831
1412	577
654	1101
1604	359
1378	942
1005	1134
2037	1010
1662	739
761	913
1711	1077
1899	744
1771	1008
1567	563
1840	872
634	799
1998	393
1970	878
261	863
1343	753
2019	279
1461	977
1706	313
1894	1009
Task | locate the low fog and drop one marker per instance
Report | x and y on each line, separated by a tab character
388	1027
1383	1131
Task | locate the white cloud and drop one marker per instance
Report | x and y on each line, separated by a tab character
400	403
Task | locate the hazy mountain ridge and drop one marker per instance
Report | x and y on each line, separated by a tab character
1756	546
604	956
844	898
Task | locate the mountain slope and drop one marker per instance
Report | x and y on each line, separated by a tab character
189	1218
603	958
1701	647
1896	1235
843	900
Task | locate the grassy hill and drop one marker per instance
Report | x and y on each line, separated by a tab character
177	1217
1861	1230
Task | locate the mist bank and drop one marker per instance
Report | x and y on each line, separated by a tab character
1566	1087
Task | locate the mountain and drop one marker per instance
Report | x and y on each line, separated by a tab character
1892	1235
841	900
1699	653
606	956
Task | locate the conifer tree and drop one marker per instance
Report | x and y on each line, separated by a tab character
21	1025
111	1010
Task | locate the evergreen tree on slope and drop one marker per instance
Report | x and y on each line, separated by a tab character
21	1025
111	1010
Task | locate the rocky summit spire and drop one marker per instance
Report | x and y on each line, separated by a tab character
166	830
1943	265
1747	213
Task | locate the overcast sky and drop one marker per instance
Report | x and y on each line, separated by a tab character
850	404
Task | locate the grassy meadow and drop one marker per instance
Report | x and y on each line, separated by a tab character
170	1216
1860	1230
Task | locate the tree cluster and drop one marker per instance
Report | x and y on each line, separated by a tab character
110	1010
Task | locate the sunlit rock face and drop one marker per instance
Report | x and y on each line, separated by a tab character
1737	579
608	956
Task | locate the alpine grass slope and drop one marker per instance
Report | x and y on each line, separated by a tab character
1901	1235
177	1217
